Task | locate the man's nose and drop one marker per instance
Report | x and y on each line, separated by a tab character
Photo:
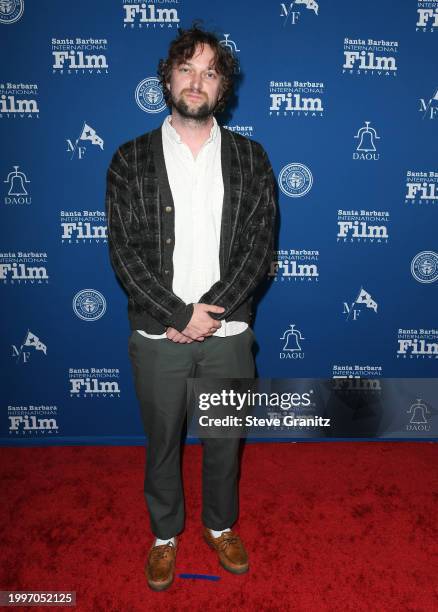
196	81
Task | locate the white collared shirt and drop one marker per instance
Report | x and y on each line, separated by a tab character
198	192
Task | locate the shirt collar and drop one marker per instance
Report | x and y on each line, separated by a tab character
175	137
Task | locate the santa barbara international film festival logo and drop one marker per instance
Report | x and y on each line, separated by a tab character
429	107
421	187
148	15
363	302
295	180
290	13
291	340
19	101
92	383
243	130
89	304
149	96
33	421
18	191
18	268
424	267
357	377
427	16
417	343
296	99
83	227
11	11
87	133
295	265
363	226
29	347
370	57
71	56
366	143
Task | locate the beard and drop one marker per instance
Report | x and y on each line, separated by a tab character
198	113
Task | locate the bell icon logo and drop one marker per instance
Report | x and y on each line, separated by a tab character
366	149
17	193
292	348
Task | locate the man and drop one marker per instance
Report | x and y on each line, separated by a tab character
191	212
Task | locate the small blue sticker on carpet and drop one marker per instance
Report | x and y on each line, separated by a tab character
200	576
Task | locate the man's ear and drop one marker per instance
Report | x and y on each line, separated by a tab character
221	94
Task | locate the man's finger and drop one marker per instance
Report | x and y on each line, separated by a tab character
213	308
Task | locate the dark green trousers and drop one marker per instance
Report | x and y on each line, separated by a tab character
161	368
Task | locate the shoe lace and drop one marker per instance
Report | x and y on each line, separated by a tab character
160	552
226	539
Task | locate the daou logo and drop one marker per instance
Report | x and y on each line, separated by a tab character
17	193
418	421
366	148
292	339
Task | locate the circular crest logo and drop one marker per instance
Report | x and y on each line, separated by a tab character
89	304
149	96
295	180
424	267
11	10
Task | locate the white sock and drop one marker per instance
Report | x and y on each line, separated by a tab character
159	542
217	534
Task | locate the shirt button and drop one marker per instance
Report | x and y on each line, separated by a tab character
168	209
168	240
166	271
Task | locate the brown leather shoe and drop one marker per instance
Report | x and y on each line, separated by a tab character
232	554
160	568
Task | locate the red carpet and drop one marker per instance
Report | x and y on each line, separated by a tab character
328	526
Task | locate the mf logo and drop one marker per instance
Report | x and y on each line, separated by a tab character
429	108
87	133
289	14
22	354
355	308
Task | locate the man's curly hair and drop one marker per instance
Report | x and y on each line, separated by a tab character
183	48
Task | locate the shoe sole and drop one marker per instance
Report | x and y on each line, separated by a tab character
241	570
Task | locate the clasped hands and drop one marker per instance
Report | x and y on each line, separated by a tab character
200	326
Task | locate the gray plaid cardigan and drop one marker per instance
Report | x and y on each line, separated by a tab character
141	230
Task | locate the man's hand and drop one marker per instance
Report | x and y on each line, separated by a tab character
202	325
175	336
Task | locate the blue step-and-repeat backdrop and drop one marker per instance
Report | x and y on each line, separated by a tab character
343	96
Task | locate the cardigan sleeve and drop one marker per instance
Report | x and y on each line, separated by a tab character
138	281
252	251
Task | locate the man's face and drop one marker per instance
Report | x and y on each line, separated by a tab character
195	85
